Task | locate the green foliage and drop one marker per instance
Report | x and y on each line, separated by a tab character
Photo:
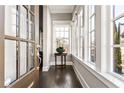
117	50
60	49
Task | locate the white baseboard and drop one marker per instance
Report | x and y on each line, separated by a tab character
46	68
81	79
59	63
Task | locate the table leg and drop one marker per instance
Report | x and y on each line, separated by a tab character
62	60
65	60
55	60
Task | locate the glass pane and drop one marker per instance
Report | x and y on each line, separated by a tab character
57	42
62	29
10	21
57	34
81	31
118	31
23	22
66	45
31	28
10	61
81	19
118	60
62	34
81	50
57	29
81	42
92	54
92	23
92	38
31	57
66	29
91	10
66	34
23	57
119	9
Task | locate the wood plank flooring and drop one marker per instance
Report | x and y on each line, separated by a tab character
59	77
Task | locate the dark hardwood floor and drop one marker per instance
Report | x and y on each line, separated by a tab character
59	77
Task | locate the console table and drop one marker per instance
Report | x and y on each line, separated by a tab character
62	55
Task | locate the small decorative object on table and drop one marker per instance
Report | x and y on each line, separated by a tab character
60	50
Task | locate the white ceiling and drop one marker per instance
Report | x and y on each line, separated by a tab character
61	8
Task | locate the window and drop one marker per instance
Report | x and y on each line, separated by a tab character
92	45
78	34
118	39
81	33
19	41
62	37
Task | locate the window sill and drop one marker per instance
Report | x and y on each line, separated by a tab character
109	79
113	79
118	79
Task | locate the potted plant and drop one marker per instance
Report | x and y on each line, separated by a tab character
60	49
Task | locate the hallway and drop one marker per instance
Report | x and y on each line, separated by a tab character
89	39
59	77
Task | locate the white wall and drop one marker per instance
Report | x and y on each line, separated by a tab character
46	38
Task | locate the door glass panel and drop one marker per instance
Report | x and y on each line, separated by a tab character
10	61
23	57
10	20
23	22
31	57
31	27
